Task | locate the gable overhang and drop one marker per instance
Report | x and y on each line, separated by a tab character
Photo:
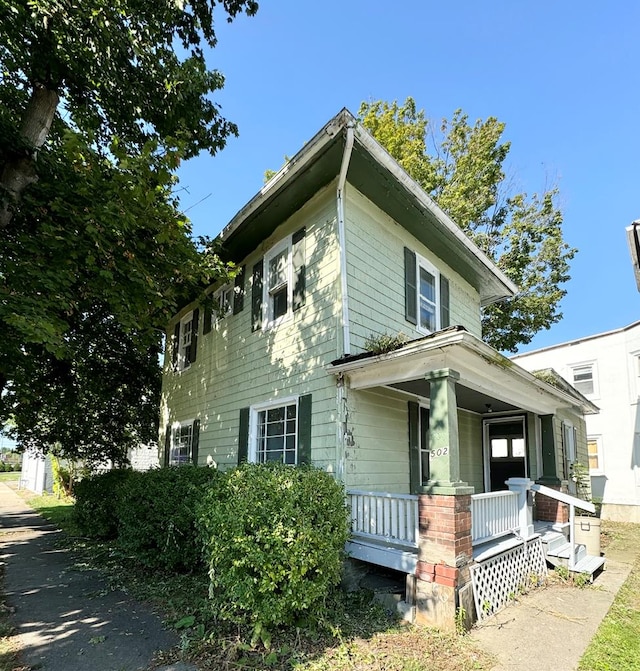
374	173
489	381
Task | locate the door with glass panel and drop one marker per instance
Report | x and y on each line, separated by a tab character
505	453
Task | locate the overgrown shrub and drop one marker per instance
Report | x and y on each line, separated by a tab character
274	537
156	511
95	507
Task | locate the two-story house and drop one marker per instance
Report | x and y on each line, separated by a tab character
339	246
605	367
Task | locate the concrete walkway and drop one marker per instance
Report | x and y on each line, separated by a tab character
550	628
67	618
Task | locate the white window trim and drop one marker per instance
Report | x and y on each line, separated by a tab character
594	377
217	314
180	425
427	265
268	320
598	440
183	363
252	455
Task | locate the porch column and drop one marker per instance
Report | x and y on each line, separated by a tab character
444	508
444	446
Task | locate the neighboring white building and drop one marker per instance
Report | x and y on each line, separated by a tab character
606	368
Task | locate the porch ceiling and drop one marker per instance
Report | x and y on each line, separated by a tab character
486	377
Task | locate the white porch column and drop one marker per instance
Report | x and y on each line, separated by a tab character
525	512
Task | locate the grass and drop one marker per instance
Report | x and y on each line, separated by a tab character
9	476
359	634
616	645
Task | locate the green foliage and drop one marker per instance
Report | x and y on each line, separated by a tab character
96	497
274	539
63	478
156	516
381	344
461	166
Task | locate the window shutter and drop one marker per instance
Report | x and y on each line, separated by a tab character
243	436
208	314
445	318
175	346
195	441
256	296
304	429
167	446
414	447
193	349
410	287
238	294
299	268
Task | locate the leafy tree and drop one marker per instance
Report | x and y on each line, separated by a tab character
461	166
99	101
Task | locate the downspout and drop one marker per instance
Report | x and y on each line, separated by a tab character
346	157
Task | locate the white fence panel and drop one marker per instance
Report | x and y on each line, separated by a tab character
493	515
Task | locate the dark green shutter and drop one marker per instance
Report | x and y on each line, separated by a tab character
167	446
256	296
243	436
175	345
193	349
238	293
414	447
445	318
410	287
304	429
208	314
299	268
195	441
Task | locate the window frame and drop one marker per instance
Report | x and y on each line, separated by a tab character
268	319
599	470
254	412
183	361
594	377
178	426
222	312
422	262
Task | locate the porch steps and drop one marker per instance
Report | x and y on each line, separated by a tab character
558	551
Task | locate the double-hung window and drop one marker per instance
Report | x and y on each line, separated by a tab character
223	299
426	294
277	433
277	289
182	443
185	341
584	378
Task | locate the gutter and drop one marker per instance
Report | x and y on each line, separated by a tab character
346	157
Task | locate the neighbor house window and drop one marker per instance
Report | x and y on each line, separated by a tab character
182	443
584	379
426	294
277	433
594	450
185	341
223	299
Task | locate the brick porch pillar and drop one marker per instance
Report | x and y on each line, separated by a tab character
552	510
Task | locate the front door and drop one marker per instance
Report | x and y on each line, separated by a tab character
505	453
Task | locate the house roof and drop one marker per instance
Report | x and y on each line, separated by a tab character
381	179
489	381
569	343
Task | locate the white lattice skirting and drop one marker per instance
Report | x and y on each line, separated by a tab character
500	579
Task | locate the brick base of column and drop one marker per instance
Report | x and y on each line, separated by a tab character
552	510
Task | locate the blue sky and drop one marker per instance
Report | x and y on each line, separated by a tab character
563	76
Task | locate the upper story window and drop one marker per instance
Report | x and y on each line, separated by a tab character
279	282
426	294
185	341
584	379
223	298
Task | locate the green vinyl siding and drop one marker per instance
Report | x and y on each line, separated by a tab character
237	368
377	453
471	455
376	279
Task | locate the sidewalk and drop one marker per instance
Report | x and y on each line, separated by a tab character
551	627
66	617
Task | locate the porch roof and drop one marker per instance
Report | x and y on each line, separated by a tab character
489	381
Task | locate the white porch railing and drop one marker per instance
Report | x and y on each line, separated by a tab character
389	518
493	514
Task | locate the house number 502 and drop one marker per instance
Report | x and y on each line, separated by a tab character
440	452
